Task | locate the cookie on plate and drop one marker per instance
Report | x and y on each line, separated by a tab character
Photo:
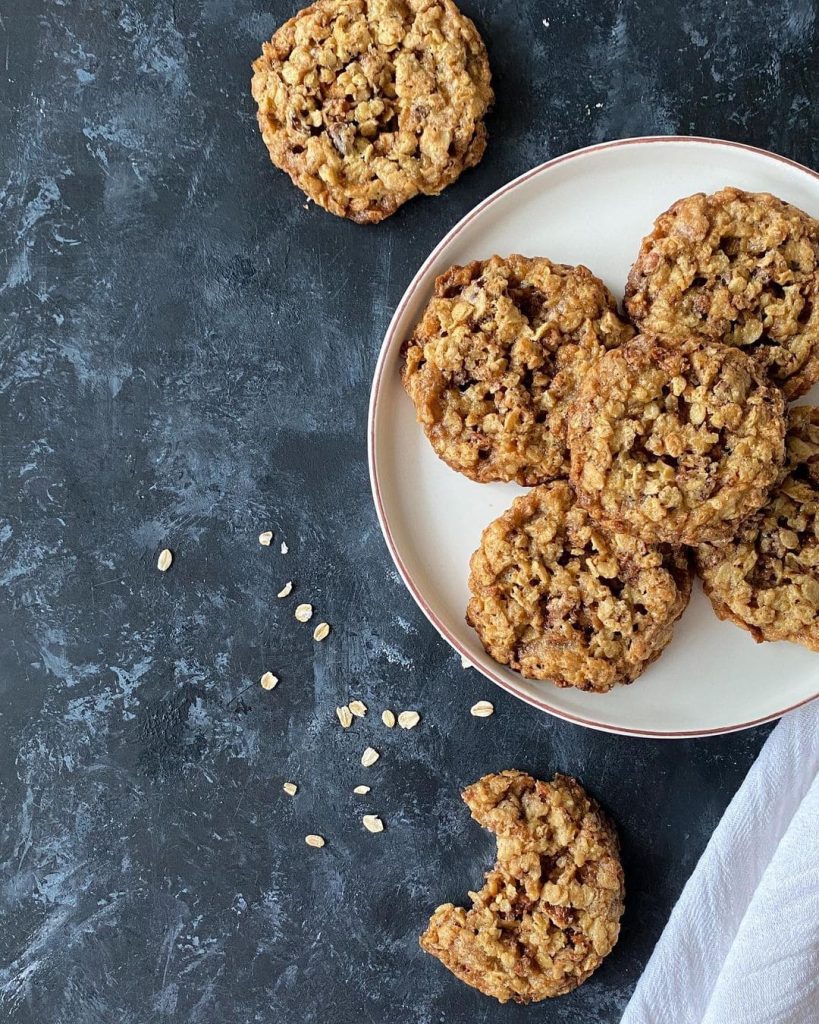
496	358
549	911
366	103
735	267
558	598
676	443
767	579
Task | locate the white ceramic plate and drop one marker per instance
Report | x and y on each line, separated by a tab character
593	207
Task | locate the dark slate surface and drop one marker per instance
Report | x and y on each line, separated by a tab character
185	360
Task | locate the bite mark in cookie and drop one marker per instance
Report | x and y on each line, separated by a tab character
676	443
558	598
367	103
496	359
549	911
740	268
767	579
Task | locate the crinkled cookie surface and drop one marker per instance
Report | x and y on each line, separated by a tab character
549	911
735	267
558	598
366	103
496	359
767	579
676	443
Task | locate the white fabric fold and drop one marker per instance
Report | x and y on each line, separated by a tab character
742	943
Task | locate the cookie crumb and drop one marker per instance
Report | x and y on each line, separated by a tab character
163	563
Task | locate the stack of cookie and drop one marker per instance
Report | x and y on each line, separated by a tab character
656	445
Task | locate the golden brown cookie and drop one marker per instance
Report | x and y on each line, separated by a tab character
549	911
735	267
767	579
496	358
558	598
676	443
366	103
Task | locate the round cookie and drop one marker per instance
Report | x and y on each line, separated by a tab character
366	103
767	579
676	444
549	911
735	267
558	598
496	358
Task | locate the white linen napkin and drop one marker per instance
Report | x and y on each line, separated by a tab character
742	943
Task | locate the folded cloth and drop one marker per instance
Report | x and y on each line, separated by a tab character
742	943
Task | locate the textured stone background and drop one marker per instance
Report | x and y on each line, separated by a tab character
185	360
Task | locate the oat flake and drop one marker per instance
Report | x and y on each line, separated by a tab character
304	612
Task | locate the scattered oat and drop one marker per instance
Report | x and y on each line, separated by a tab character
304	612
286	589
369	757
321	632
358	708
465	662
388	718
290	788
163	563
268	681
409	719
266	538
317	841
361	790
373	823
483	709
344	716
284	548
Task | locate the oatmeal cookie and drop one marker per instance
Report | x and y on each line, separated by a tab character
735	267
549	911
767	579
556	597
676	443
366	103
496	358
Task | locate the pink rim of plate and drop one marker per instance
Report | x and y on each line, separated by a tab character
378	376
